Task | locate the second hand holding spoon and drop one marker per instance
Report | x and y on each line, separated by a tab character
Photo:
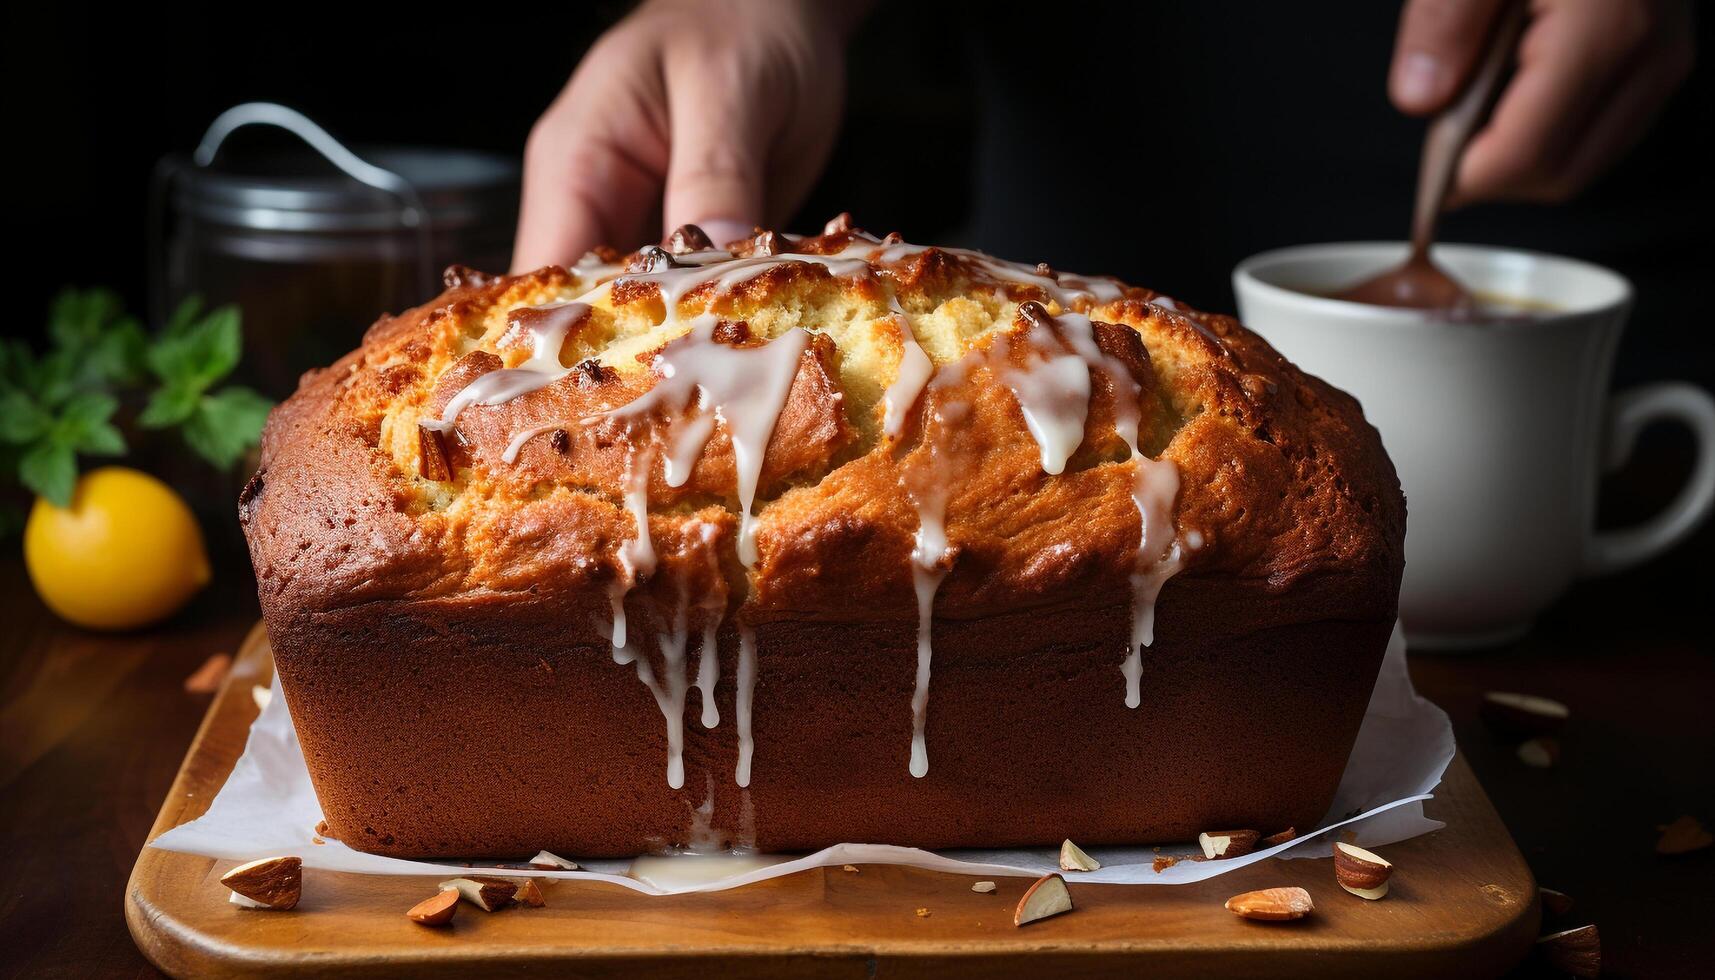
1419	283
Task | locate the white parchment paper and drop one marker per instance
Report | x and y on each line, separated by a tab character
268	807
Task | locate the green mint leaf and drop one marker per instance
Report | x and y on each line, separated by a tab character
83	425
102	439
21	420
117	357
198	355
184	316
226	424
89	408
78	318
50	470
169	405
55	379
90	329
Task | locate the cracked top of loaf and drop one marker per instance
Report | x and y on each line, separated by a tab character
361	498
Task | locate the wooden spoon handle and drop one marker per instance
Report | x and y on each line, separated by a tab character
1453	128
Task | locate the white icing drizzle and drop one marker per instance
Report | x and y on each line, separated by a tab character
1159	556
927	582
638	554
1053	389
547	335
702	837
1053	392
669	691
915	369
616	599
929	562
702	380
709	672
1155	485
744	699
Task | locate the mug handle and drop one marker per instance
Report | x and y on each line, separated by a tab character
1629	413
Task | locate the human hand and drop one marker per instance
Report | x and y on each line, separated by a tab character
714	112
1591	76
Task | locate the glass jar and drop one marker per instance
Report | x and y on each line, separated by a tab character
314	241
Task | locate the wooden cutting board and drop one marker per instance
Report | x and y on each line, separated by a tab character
1462	902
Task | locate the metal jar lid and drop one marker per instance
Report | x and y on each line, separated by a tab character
293	191
323	198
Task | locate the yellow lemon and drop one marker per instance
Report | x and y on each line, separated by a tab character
126	553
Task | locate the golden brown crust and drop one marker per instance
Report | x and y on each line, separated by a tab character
1280	475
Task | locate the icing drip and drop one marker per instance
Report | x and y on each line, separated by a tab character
1155	485
915	369
1053	392
926	582
616	599
669	692
1159	556
546	328
930	560
638	554
701	381
708	672
702	837
743	702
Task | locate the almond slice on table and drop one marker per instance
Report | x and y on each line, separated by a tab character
548	861
1073	858
983	888
485	893
206	679
1523	715
436	911
1048	896
1272	904
1573	951
274	883
528	894
1290	833
1227	843
1539	753
1363	873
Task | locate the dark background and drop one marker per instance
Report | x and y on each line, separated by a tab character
1162	146
1160	142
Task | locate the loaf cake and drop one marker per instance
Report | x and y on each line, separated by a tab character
817	539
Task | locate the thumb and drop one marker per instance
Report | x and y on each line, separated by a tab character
1437	46
717	161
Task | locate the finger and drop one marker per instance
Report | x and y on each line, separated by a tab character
719	139
1567	64
1435	50
1622	120
592	176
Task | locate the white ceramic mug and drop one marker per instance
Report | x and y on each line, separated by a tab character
1499	430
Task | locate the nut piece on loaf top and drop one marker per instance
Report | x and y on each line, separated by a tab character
358	499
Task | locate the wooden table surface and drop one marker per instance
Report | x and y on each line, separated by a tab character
93	728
